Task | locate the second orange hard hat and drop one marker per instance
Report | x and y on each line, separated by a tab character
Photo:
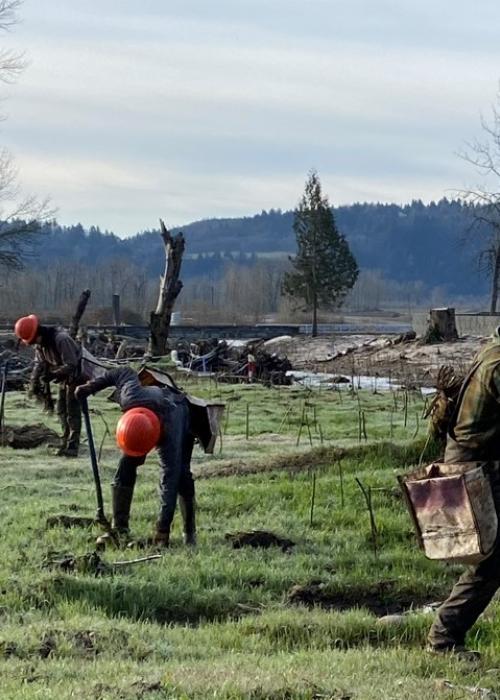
26	328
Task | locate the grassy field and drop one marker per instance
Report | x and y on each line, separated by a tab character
220	622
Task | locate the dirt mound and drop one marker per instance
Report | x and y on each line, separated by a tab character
27	437
381	599
258	538
69	521
315	459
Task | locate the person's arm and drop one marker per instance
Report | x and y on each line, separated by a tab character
70	354
39	367
113	377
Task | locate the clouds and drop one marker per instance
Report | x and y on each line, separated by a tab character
197	109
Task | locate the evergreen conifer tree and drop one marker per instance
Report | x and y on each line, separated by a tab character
324	269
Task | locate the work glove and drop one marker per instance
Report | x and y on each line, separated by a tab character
60	374
32	390
82	391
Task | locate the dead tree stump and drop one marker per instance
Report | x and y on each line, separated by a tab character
441	326
170	287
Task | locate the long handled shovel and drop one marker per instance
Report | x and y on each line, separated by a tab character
2	400
100	516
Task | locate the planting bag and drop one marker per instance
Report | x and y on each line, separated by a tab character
453	510
206	416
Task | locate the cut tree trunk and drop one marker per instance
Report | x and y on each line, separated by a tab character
442	325
80	310
170	287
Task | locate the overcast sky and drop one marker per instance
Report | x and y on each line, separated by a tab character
190	109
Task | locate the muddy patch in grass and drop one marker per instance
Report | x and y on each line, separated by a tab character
69	521
315	458
258	538
28	437
382	598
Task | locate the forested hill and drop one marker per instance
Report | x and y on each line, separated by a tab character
407	243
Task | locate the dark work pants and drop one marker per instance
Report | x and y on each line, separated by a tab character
70	416
174	452
471	594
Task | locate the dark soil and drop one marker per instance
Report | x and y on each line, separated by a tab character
258	538
27	437
382	598
314	459
69	521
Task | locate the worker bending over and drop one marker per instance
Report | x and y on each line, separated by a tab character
153	417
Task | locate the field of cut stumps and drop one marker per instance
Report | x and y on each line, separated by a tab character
323	601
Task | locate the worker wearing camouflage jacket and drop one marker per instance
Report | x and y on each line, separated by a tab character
174	448
474	435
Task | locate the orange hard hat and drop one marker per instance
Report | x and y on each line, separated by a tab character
138	431
26	328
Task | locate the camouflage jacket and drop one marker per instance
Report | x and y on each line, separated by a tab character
474	433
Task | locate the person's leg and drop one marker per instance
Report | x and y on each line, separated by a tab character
122	489
171	453
469	597
122	492
187	504
62	415
74	421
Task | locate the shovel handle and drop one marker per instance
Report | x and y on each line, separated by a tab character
2	395
100	517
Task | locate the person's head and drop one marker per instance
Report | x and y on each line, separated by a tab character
138	431
27	329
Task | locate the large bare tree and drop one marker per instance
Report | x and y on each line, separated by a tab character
484	198
20	216
170	288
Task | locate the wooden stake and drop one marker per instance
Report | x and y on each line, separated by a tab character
363	423
367	493
313	498
247	426
309	431
341	477
285	418
299	434
417	426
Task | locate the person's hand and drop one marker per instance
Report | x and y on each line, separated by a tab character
82	391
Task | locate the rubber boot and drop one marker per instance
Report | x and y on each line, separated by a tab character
161	538
187	508
121	502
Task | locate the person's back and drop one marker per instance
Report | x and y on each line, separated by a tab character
475	431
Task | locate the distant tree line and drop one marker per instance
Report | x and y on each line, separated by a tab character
410	243
408	257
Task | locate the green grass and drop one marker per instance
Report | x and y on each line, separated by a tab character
218	622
